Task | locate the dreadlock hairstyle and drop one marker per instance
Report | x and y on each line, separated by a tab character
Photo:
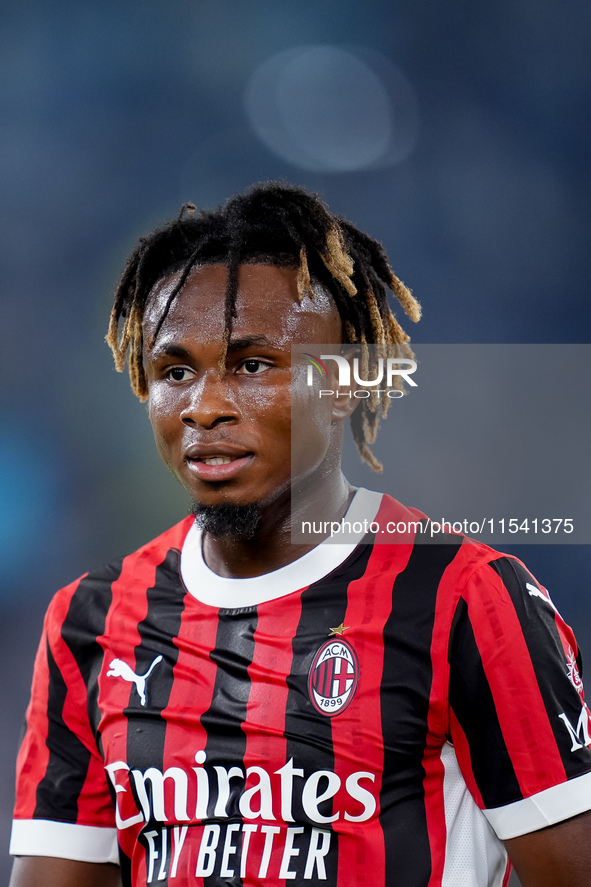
277	224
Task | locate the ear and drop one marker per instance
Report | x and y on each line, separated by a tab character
344	402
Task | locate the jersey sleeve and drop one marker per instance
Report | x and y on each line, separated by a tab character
518	720
63	806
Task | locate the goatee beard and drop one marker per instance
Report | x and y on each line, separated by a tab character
239	521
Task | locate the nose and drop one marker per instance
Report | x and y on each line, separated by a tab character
210	401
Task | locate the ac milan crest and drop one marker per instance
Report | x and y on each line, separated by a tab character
333	677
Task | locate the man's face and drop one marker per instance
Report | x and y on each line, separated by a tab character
227	437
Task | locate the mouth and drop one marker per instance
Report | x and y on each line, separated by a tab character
217	460
218	466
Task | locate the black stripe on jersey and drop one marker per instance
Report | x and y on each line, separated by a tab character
309	733
404	701
472	702
59	790
226	741
538	624
86	619
146	729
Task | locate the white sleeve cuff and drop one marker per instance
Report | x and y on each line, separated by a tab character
546	808
64	840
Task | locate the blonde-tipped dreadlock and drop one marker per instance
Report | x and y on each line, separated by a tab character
338	261
276	224
304	283
130	342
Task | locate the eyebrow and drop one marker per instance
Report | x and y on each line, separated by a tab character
241	344
170	351
250	342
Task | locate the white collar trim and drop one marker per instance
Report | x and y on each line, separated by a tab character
220	591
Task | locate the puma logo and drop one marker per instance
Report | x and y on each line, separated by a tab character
120	669
535	592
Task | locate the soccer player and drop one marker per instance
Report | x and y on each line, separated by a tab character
226	707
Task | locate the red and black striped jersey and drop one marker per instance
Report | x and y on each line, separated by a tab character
382	713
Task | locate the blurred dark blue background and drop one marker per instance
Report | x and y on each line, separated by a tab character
456	133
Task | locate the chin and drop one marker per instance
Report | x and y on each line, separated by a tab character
237	521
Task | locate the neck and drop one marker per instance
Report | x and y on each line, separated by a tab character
271	547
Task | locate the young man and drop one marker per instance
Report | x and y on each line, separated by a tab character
237	709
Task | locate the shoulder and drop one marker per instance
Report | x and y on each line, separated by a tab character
86	600
467	566
156	550
402	523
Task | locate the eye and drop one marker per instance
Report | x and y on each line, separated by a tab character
177	374
252	367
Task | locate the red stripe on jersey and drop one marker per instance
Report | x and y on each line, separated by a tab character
139	872
266	746
190	697
358	730
523	718
435	809
93	800
567	638
33	756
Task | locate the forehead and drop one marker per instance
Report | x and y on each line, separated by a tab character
267	303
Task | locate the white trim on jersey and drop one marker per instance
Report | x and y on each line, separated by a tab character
63	840
553	805
220	591
474	856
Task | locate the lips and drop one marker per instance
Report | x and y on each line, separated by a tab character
216	463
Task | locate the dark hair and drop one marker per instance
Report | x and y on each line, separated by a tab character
277	224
